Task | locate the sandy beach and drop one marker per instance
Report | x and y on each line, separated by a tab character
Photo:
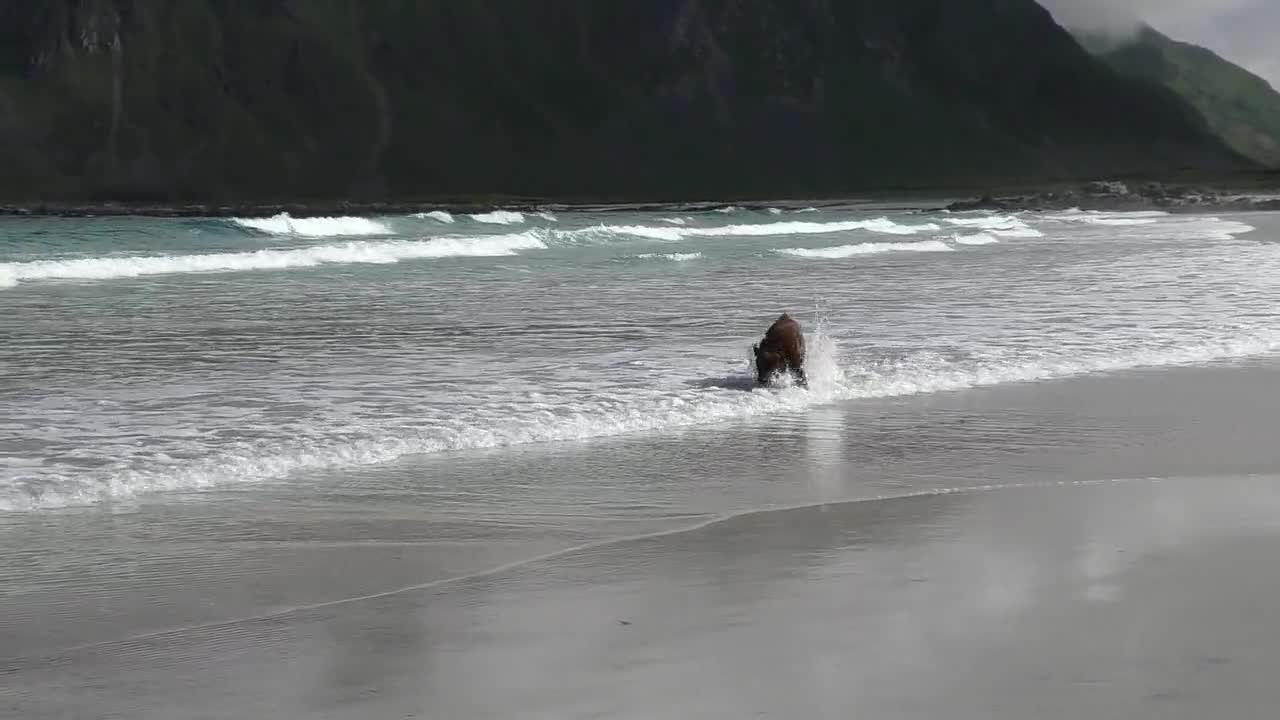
1094	547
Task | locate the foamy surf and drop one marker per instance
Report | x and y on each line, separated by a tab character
847	251
1115	219
499	217
354	252
285	224
614	413
877	225
671	257
437	215
978	239
1002	226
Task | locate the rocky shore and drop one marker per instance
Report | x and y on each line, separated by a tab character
335	209
1097	195
113	209
1110	195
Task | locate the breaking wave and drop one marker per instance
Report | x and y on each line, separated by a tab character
673	257
285	224
878	225
1002	226
847	251
613	414
499	217
978	239
437	215
1120	219
354	252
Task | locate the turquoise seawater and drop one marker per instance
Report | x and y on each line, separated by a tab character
143	355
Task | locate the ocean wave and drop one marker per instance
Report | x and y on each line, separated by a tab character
437	215
877	225
673	257
978	239
285	224
675	221
1000	225
617	414
354	252
1177	228
1076	213
847	251
499	217
1119	219
1209	228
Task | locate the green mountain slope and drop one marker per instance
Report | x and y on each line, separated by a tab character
1240	107
322	99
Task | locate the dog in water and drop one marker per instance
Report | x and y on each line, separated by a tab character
782	350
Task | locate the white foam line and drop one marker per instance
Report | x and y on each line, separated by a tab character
878	225
354	252
437	215
828	383
285	224
674	257
847	251
499	217
600	544
1001	225
979	239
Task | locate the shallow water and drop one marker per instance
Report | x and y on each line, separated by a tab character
1098	546
145	355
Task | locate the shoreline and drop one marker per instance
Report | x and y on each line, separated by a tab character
1118	528
1260	195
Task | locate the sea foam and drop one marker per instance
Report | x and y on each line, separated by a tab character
499	217
285	224
437	215
1003	226
673	257
847	251
877	225
353	252
831	380
977	239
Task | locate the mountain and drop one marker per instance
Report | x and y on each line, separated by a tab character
1239	106
324	99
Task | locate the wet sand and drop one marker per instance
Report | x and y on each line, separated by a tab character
1099	547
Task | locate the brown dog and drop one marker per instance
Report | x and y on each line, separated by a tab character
782	350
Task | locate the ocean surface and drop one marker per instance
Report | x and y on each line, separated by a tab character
157	359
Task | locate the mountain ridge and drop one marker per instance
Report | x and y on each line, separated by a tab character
1240	107
148	100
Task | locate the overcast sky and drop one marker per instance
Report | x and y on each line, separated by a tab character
1246	32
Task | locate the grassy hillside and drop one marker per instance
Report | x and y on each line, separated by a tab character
324	99
1240	107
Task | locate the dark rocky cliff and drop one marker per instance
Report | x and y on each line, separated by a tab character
335	98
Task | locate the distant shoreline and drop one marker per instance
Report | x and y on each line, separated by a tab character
1116	196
